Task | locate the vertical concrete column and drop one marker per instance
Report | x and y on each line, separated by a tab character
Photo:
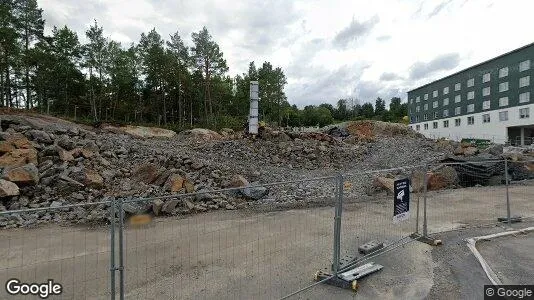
522	136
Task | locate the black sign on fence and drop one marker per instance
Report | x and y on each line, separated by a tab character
401	200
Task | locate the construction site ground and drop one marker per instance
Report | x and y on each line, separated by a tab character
255	255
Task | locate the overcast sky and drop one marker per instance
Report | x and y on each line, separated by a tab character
327	49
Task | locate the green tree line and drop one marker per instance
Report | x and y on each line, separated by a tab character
154	81
346	109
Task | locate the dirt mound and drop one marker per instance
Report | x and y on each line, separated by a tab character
141	132
369	130
68	164
200	135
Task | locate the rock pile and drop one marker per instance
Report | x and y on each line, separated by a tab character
46	162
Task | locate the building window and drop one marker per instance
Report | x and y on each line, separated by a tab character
435	104
486	91
503	72
457	99
417	127
416	119
445	90
503	101
486	77
486	104
425	106
457	122
524	97
417	108
524	113
435	94
457	110
503	86
458	86
426	126
470	108
524	81
426	96
435	125
436	115
445	101
470	95
503	116
425	117
417	99
470	120
486	118
471	82
446	124
445	113
411	101
524	65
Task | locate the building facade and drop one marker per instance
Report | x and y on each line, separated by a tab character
492	100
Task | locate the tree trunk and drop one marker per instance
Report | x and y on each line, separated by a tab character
27	68
2	90
9	100
100	94
180	108
164	106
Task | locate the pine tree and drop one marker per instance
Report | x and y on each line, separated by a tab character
209	59
30	25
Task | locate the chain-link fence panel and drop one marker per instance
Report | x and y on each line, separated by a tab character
465	194
270	247
368	209
521	189
37	245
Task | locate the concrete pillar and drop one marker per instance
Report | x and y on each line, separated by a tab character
522	136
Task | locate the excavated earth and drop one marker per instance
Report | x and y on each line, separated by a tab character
49	162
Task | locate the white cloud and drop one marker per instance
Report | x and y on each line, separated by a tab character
374	38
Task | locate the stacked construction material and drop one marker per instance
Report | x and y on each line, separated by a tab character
476	170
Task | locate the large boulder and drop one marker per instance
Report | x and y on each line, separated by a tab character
238	181
90	149
8	189
156	206
6	147
25	175
93	179
385	183
64	155
189	186
169	206
18	140
66	143
88	177
40	136
174	183
162	178
255	193
443	178
18	157
147	173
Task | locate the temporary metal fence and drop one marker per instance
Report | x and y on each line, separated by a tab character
240	254
267	250
77	257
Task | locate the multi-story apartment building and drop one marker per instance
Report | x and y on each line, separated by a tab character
491	100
